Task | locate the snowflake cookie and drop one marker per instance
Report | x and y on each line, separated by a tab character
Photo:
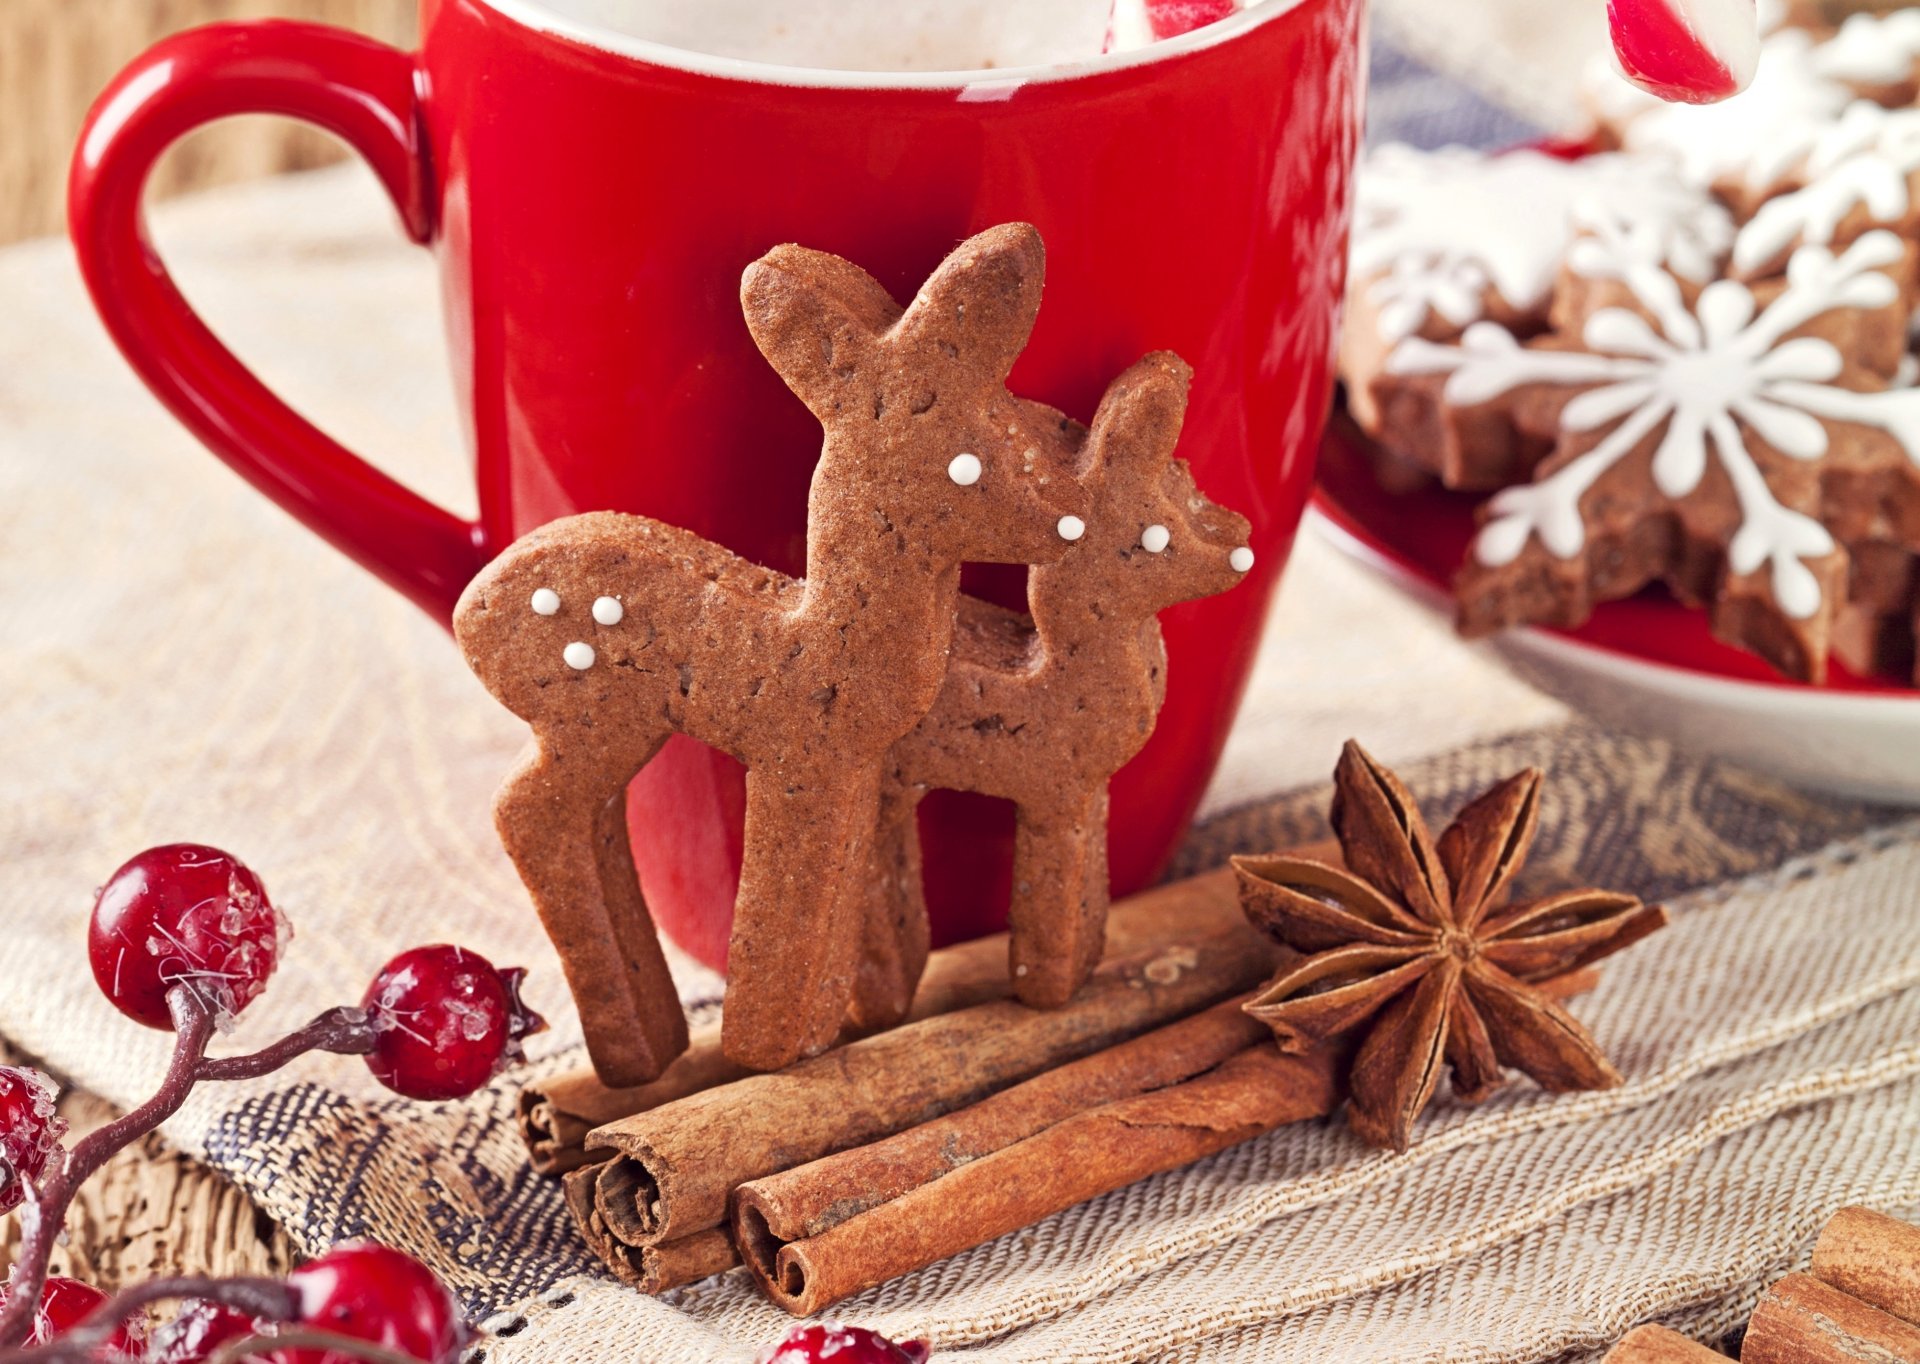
1444	239
1862	172
1710	439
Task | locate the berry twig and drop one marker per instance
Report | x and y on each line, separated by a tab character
254	1299
44	1212
183	938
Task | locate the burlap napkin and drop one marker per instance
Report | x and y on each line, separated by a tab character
181	663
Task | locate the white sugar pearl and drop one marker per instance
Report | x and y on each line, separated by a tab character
965	470
608	611
1155	538
1072	528
579	656
1241	560
546	602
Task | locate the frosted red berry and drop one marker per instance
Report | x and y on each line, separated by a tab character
30	1131
827	1343
197	1332
446	1021
1171	18
370	1292
189	915
65	1303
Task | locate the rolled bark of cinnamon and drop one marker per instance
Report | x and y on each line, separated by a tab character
1091	1153
803	1202
556	1115
1872	1257
1658	1345
676	1166
1801	1320
651	1269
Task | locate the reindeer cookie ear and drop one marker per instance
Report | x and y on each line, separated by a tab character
979	307
1138	424
817	319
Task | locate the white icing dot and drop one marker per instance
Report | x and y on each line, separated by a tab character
1241	560
1072	528
608	611
546	602
1155	538
965	470
579	655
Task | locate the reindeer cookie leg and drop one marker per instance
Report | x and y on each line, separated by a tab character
1060	897
895	940
800	915
568	838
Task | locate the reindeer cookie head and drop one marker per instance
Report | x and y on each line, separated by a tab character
918	419
1171	544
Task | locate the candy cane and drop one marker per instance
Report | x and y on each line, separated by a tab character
1687	51
1136	23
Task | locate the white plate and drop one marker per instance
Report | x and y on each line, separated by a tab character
1864	747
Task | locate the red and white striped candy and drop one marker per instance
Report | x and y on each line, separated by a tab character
1686	51
1136	23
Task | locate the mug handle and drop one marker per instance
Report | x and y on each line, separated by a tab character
352	86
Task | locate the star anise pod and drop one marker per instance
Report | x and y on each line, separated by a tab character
1411	948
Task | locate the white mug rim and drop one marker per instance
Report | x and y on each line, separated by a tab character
997	83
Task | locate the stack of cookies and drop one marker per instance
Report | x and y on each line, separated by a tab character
1683	359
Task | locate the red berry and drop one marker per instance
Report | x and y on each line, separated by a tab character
65	1303
368	1292
197	1332
447	1022
828	1343
183	914
1171	18
30	1132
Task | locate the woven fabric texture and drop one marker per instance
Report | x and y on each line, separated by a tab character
182	663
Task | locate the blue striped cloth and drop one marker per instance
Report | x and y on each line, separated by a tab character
1414	104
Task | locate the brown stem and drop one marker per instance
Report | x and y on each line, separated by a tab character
342	1031
260	1299
244	1349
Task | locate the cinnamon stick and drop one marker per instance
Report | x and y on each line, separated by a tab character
1874	1258
1658	1345
1091	1153
1801	1320
803	1202
677	1165
651	1269
556	1115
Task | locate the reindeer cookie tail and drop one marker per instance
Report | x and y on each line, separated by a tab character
568	839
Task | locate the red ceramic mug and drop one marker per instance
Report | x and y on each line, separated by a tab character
592	200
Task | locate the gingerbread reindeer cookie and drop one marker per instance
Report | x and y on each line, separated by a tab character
1043	712
608	633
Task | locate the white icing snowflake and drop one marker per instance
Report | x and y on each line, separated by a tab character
1871	49
1862	161
1704	374
1434	230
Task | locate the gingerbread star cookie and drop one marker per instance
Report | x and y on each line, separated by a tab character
1444	239
1700	437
